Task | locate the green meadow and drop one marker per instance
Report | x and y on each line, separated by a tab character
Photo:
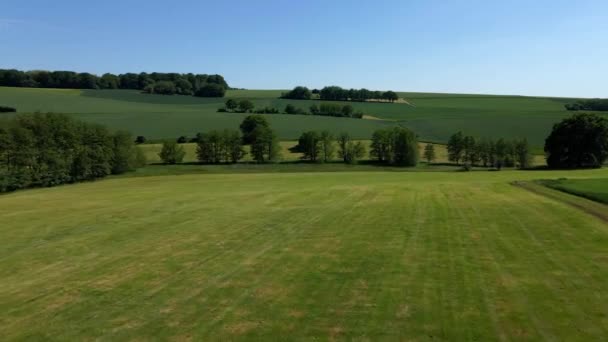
434	117
304	256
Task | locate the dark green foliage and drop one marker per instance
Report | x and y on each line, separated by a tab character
216	147
246	106
184	87
123	152
5	109
396	146
211	90
456	147
578	141
109	81
264	145
469	150
185	84
182	139
140	139
172	152
429	153
161	88
347	111
52	149
592	104
298	93
231	105
335	93
390	96
327	146
381	145
309	145
291	109
267	110
488	153
249	124
334	109
523	155
348	150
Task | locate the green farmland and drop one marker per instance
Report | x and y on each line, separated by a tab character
303	256
434	117
594	189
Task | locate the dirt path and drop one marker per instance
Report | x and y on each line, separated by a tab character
596	209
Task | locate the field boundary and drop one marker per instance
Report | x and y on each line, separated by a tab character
589	206
553	184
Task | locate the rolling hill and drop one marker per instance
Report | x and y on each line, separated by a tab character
434	117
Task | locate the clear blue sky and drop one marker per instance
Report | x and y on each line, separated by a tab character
540	47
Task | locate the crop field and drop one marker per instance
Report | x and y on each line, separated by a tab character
304	256
434	117
595	189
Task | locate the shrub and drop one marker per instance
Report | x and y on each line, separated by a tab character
5	109
298	93
172	153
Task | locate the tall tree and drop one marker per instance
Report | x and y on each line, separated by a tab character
348	150
264	145
234	146
309	145
405	147
327	146
382	144
455	147
578	141
396	146
343	141
123	150
469	150
390	96
249	124
172	152
523	154
429	153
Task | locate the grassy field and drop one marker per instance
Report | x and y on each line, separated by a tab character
434	117
594	189
303	256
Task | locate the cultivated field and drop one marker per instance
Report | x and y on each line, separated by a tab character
434	117
310	256
595	189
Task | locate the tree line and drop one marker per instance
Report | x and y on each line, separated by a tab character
592	104
157	83
335	93
40	150
228	146
470	151
324	109
393	146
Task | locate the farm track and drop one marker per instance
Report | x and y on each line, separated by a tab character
591	207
